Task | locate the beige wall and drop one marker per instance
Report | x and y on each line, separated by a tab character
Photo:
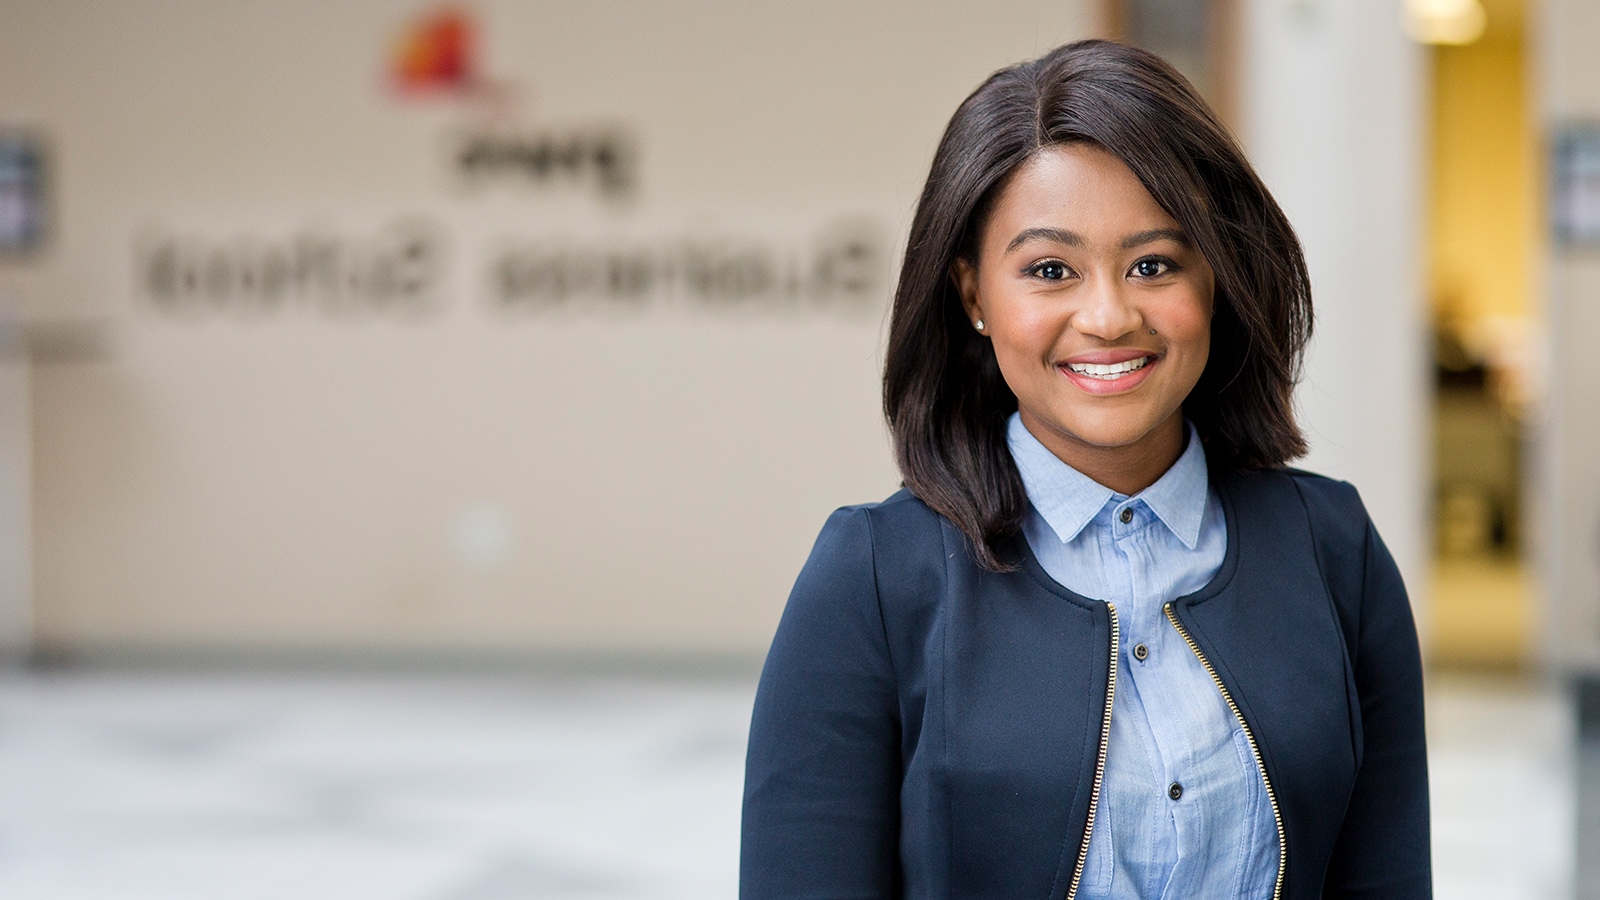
1564	526
595	479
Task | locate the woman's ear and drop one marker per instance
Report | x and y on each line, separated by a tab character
965	276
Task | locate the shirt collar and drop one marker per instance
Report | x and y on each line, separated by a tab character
1068	500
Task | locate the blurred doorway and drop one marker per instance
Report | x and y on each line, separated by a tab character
1484	238
1199	37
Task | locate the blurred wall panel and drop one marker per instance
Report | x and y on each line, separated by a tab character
16	438
1564	524
598	393
1333	113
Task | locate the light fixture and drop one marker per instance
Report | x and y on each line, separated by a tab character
1444	21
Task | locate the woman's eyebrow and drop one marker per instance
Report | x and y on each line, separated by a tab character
1139	239
1073	239
1058	235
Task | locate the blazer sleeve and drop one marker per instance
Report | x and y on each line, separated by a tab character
1383	849
822	774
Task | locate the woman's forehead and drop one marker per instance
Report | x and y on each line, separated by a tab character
1076	195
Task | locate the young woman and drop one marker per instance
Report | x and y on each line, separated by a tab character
1103	644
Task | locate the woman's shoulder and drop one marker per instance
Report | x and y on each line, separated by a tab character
874	569
895	548
1329	502
899	516
891	531
1340	529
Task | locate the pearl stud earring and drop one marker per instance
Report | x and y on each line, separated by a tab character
978	324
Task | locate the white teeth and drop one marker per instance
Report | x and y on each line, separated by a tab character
1107	372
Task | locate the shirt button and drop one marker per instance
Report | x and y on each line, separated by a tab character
1175	791
1127	515
1140	651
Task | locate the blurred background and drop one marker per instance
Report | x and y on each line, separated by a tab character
412	416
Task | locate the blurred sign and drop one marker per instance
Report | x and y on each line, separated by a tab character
403	270
396	270
22	201
1575	201
601	158
407	268
843	266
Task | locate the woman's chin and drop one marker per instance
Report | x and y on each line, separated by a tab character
1104	430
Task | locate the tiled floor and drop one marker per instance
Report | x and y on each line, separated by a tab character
501	788
343	787
1501	764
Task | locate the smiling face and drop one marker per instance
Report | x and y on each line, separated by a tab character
1099	309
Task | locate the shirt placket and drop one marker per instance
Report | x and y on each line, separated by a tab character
1165	721
1126	540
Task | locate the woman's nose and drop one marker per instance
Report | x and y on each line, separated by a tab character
1107	311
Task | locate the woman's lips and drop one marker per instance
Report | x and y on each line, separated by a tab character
1109	372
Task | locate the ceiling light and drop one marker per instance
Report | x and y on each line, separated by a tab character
1444	21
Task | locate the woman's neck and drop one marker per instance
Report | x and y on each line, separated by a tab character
1127	469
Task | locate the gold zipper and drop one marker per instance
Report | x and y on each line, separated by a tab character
1277	817
1100	760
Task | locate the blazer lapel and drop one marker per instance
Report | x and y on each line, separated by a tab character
1026	671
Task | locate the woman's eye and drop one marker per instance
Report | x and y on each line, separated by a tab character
1049	270
1151	268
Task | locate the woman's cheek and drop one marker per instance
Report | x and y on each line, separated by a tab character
1035	327
1188	322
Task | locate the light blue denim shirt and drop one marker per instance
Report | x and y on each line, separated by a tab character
1183	811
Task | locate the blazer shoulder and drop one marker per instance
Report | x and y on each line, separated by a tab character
902	543
900	516
1343	539
1338	517
901	530
1333	508
899	503
1340	497
1336	521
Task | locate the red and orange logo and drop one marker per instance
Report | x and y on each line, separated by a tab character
436	53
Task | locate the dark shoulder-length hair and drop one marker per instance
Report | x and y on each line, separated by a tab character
943	393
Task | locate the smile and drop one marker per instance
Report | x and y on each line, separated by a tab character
1108	371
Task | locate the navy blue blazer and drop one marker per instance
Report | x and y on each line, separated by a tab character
927	728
